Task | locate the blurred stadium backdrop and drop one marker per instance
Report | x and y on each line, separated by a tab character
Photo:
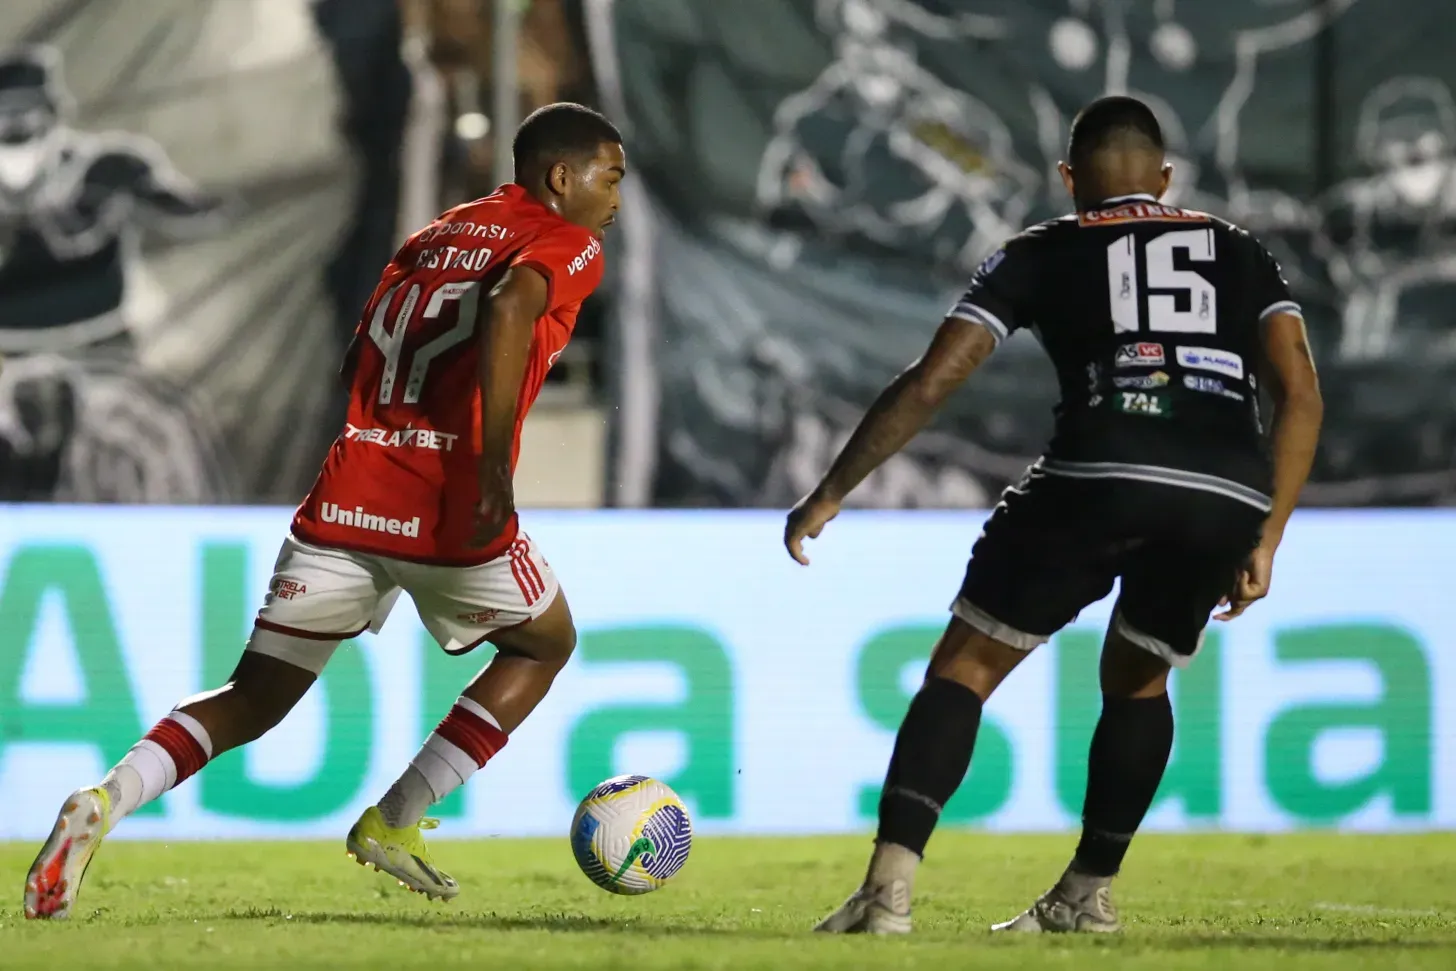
196	197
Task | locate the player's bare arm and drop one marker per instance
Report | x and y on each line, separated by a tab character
1298	412
898	414
504	327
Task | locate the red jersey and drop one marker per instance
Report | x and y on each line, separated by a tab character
402	480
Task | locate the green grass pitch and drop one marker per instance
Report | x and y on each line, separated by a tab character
1217	901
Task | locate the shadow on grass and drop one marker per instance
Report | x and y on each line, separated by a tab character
568	923
579	923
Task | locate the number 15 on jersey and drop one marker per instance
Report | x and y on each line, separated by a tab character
1167	285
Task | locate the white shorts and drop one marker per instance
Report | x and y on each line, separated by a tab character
320	596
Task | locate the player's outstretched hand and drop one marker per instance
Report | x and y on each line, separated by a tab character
1251	584
807	520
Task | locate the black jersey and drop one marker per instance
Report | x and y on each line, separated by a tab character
1151	316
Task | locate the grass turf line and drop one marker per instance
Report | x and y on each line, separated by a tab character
1288	902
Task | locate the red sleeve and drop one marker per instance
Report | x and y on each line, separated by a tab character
570	258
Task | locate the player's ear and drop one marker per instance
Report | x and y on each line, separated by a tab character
1065	171
557	177
1167	179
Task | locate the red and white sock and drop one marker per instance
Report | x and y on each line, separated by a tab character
175	749
460	746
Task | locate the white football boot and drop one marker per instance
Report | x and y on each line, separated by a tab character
1076	905
872	910
55	876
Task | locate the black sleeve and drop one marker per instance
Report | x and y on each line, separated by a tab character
1270	289
999	295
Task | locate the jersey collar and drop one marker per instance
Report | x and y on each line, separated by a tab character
1135	197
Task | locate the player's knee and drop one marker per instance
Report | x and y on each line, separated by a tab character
1129	670
549	640
556	649
565	646
973	658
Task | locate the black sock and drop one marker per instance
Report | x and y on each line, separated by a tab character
932	754
1130	750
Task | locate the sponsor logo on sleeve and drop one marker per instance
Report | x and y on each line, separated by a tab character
989	264
1212	359
580	262
1144	354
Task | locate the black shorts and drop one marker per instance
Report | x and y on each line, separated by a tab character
1054	545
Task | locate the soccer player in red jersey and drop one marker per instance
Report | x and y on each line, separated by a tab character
415	495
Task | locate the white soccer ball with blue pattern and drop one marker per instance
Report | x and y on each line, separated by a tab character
631	834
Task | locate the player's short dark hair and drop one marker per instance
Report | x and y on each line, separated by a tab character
560	131
1114	121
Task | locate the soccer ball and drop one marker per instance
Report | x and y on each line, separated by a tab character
631	834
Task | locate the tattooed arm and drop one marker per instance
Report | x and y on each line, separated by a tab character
908	404
1000	299
901	410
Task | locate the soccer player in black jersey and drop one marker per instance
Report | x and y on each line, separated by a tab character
1164	325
